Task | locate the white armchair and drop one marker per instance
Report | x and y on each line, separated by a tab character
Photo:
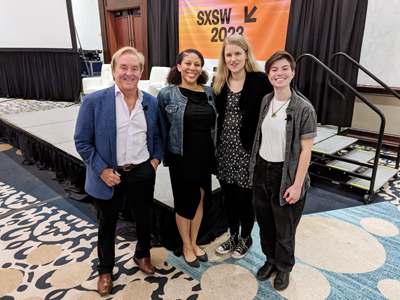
92	84
143	85
210	77
158	79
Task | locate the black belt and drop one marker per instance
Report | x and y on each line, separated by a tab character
127	168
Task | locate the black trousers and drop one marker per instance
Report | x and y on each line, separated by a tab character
137	186
239	208
277	223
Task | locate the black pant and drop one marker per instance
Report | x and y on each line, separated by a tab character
239	208
137	186
277	223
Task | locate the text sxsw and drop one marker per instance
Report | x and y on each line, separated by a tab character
223	16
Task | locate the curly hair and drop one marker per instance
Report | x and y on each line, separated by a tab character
174	76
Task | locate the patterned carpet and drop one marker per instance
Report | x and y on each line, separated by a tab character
48	251
21	106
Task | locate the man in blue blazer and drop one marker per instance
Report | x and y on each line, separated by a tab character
118	138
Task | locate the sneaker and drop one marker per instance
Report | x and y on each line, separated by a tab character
229	245
242	247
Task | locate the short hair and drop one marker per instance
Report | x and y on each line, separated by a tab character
222	74
278	55
175	77
129	50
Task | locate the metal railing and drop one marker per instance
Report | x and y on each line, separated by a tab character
384	85
357	94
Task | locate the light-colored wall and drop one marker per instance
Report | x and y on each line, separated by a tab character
379	52
366	118
379	56
87	22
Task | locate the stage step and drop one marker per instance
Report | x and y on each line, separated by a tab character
383	175
322	135
357	155
333	144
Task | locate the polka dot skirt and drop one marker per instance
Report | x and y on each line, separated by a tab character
233	160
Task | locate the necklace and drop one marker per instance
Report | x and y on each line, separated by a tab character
274	113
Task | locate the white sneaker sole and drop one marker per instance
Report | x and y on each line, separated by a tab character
236	256
222	251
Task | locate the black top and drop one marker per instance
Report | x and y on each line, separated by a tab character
199	114
199	118
256	86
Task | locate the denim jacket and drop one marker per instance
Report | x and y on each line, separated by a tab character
301	124
171	110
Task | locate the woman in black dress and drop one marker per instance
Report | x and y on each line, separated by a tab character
187	113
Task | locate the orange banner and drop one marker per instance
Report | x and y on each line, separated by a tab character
203	25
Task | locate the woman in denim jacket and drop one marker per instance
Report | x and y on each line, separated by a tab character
187	113
278	169
239	86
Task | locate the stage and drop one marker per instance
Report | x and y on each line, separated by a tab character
44	130
46	137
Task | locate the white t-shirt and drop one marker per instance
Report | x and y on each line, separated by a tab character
273	132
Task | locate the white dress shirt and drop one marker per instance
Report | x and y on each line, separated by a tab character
131	131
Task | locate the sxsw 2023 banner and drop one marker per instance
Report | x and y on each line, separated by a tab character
204	24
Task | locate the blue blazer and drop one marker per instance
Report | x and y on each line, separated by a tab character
96	137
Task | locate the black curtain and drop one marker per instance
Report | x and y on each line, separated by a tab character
40	75
70	172
163	32
322	28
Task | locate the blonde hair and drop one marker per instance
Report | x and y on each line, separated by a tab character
129	50
251	65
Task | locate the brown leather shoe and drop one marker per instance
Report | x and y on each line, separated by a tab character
104	285
144	265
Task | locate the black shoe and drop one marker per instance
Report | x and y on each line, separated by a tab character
194	264
266	271
203	258
242	247
281	280
228	245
